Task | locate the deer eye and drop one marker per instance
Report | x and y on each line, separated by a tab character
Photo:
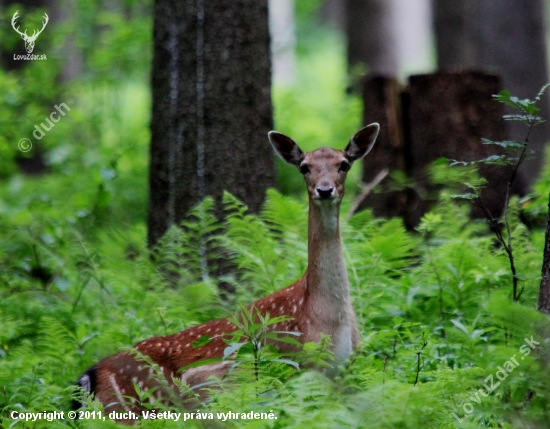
345	166
304	169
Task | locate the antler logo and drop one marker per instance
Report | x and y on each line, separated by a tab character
29	40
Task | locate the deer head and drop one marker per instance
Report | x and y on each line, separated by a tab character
325	169
29	40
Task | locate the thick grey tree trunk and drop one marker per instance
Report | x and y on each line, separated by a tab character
506	37
212	109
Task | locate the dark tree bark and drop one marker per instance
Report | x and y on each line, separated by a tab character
437	115
506	37
456	41
382	104
333	13
515	47
449	113
544	293
371	39
211	107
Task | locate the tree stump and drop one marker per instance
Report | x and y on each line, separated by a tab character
382	104
436	115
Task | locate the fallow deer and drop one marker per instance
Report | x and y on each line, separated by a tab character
318	303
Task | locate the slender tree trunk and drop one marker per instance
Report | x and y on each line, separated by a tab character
371	37
211	107
61	11
544	294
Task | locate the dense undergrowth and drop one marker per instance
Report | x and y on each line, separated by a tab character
77	283
433	304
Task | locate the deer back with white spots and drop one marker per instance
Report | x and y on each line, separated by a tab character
318	303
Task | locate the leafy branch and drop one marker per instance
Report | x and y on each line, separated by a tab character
528	115
419	350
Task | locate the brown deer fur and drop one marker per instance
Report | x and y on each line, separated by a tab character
319	303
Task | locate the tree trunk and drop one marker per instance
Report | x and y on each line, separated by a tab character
456	42
382	104
506	37
515	46
371	37
211	107
544	293
61	11
437	115
449	114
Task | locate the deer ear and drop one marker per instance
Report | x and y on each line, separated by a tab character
286	148
362	142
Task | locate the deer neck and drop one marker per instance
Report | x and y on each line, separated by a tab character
326	276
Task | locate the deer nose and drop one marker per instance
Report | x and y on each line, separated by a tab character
325	192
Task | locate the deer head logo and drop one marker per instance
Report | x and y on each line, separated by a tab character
29	40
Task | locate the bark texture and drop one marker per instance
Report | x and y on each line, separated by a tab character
456	39
212	109
505	37
382	104
449	113
544	293
436	115
371	39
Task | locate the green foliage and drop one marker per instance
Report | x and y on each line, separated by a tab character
77	282
432	309
519	150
